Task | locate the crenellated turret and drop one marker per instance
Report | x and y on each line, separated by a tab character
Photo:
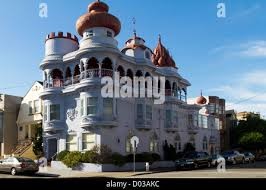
60	44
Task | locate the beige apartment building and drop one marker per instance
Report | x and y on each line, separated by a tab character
9	108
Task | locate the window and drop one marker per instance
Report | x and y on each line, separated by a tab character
71	143
30	107
128	145
88	141
20	128
168	116
190	119
147	55
178	146
176	117
153	145
139	111
55	112
90	33
82	107
109	34
204	121
108	107
45	113
148	112
36	106
212	108
195	120
92	106
205	143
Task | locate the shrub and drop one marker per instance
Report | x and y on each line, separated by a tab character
72	159
118	159
90	156
105	154
61	155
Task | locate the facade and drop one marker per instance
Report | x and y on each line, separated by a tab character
9	107
30	113
76	116
215	107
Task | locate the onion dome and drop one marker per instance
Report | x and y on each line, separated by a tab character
161	56
201	100
98	16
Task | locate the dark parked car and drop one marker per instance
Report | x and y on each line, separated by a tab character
261	157
193	160
233	157
14	165
249	157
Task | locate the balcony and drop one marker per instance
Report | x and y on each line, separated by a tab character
170	126
95	121
173	95
90	74
143	124
193	129
53	126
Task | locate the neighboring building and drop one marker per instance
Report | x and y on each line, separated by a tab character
76	117
243	115
9	107
231	123
215	107
30	113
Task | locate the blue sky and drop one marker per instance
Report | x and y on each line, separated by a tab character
221	56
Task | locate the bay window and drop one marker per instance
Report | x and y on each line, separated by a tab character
45	113
88	141
92	105
55	112
148	112
108	107
71	143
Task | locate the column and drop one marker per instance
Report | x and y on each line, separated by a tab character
29	131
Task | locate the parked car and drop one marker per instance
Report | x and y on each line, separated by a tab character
216	159
194	160
14	165
262	157
249	157
233	157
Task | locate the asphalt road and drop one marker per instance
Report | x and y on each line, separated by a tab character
256	170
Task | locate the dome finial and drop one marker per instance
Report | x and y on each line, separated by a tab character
201	92
134	27
160	39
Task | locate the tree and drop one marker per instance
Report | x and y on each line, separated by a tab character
250	133
38	142
252	140
189	147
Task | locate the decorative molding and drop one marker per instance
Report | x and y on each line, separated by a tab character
72	114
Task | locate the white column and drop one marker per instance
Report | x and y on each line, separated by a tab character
29	131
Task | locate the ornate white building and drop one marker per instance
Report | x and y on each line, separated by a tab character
77	117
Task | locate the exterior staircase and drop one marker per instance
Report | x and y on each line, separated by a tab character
25	149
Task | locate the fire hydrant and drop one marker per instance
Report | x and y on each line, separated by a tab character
147	166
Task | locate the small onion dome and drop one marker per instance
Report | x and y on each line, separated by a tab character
201	100
98	16
134	43
161	56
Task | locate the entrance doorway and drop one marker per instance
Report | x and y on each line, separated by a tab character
51	148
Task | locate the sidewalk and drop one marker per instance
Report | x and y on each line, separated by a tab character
49	172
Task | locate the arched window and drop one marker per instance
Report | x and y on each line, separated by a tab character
130	73
154	143
167	88
121	71
183	94
107	67
57	78
139	73
147	55
204	143
68	76
76	76
178	145
174	89
179	93
192	140
147	75
92	68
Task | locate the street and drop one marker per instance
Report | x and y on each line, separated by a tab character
256	170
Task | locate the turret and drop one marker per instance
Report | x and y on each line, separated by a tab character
60	44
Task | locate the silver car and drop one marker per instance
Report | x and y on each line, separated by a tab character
14	165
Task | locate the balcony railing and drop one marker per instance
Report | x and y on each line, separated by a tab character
88	74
